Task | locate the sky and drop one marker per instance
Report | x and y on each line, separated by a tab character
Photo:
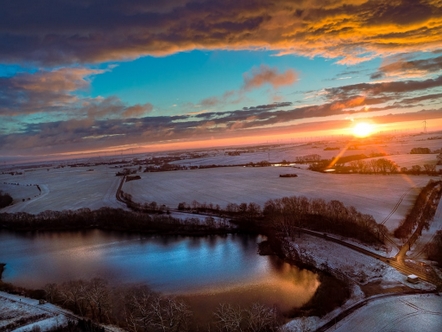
104	76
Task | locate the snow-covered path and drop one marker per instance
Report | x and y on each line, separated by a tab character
21	206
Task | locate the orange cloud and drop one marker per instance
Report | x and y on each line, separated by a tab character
401	67
137	110
266	75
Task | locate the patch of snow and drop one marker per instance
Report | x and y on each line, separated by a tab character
45	324
407	313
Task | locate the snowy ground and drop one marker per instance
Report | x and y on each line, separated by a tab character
402	313
361	270
18	313
80	187
21	314
93	187
67	188
377	195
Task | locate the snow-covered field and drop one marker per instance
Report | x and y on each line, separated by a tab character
386	198
80	187
372	194
408	313
20	191
67	188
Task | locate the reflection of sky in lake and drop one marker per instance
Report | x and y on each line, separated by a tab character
168	264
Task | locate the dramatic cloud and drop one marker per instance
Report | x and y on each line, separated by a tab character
403	67
394	88
43	91
58	92
61	32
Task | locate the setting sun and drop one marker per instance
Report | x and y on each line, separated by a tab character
363	129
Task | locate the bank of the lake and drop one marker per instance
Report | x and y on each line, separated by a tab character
332	291
111	219
2	267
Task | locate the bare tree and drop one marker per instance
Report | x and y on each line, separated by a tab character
374	165
416	169
98	298
430	168
73	295
138	313
228	318
52	292
170	315
261	318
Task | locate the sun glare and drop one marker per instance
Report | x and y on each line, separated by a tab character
363	129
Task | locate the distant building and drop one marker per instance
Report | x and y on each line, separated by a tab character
413	278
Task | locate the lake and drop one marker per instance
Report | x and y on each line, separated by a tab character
218	268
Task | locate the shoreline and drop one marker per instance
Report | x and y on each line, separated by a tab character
332	293
2	268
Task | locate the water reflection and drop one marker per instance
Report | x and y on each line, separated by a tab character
213	266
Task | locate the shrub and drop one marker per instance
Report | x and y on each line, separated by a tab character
5	200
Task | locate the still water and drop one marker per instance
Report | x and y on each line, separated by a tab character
222	266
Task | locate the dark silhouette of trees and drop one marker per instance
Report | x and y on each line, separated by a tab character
5	199
288	213
434	248
311	158
420	151
423	209
430	169
371	166
416	169
256	318
110	219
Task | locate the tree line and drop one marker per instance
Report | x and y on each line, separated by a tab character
286	214
422	211
372	166
111	219
434	248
